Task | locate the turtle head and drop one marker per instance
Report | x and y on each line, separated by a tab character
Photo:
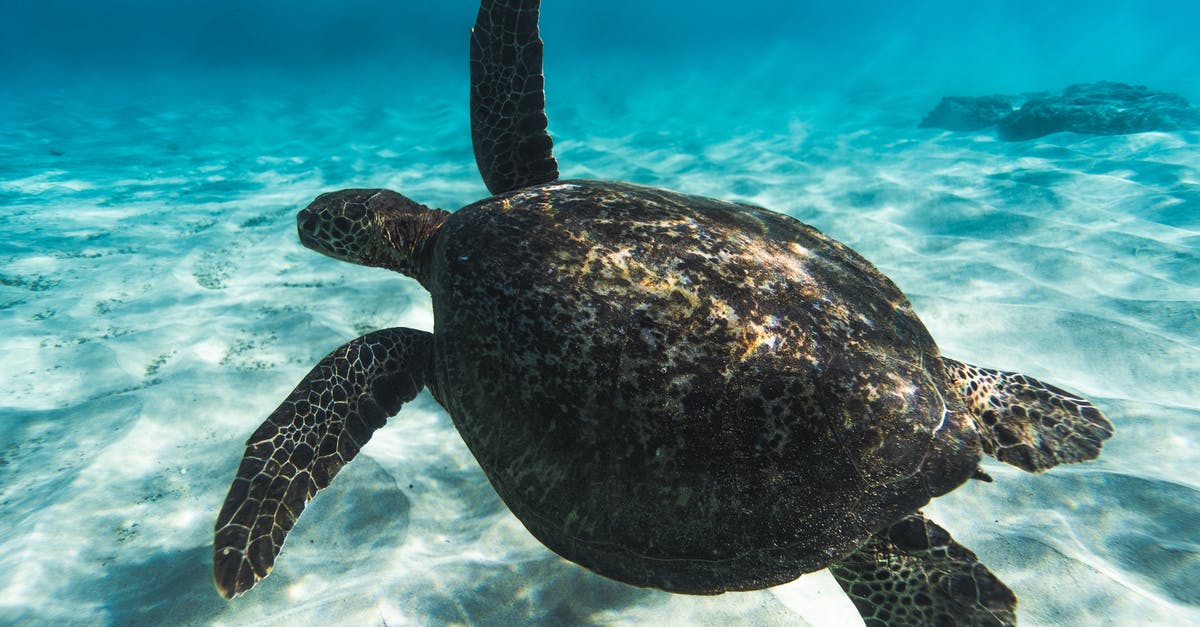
372	227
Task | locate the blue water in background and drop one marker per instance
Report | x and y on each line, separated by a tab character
1017	45
155	304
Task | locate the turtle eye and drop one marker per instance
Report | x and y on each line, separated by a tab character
308	223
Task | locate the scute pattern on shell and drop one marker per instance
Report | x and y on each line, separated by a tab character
649	376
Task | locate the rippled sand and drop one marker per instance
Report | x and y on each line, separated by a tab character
156	306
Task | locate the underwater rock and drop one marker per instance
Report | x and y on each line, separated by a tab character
1103	108
960	113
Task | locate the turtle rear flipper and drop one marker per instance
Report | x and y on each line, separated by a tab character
1027	423
306	441
914	573
508	100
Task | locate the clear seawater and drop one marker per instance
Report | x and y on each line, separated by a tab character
155	304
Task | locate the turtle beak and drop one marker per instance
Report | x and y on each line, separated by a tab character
306	223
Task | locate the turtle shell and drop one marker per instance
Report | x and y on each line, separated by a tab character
685	393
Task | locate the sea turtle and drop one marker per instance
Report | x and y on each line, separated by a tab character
672	391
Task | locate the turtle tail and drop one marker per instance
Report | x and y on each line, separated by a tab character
1027	423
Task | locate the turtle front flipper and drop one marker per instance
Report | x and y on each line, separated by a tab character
306	441
914	573
1027	423
508	101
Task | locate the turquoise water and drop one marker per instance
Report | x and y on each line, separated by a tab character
155	303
